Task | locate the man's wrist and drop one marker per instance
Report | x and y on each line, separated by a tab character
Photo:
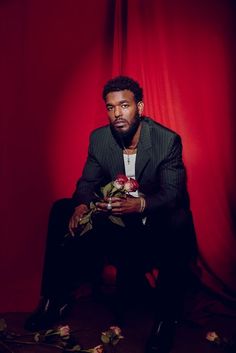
82	207
142	204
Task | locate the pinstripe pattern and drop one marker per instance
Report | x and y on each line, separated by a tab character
159	166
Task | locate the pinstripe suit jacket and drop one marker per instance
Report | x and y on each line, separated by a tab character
159	167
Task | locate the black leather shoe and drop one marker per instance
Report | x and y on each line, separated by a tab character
162	337
46	314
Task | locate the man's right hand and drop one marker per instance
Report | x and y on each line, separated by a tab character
76	218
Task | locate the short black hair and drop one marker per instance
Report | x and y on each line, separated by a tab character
121	83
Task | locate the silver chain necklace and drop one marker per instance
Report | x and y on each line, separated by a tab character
127	153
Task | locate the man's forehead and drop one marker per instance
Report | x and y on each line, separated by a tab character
118	96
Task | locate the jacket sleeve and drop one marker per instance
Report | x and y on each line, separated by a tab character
92	177
171	179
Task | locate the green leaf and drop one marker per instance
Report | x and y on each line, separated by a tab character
105	339
76	348
86	228
116	220
114	190
107	189
120	195
92	206
86	218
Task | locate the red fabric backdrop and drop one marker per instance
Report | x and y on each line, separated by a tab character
55	58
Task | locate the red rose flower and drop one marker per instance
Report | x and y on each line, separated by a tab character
131	185
120	181
121	178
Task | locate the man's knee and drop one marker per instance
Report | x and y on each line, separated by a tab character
62	209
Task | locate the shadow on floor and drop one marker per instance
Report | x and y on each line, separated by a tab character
203	312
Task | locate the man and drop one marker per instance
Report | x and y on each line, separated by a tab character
158	230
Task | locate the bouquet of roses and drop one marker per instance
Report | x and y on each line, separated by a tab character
120	187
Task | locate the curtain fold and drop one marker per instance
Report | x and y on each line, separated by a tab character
120	36
180	51
55	59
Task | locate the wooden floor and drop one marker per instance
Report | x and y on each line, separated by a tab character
204	312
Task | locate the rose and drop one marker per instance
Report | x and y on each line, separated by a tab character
212	336
131	185
116	330
112	335
227	344
64	331
97	349
120	181
120	186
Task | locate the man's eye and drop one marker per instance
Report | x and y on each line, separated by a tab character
109	107
125	106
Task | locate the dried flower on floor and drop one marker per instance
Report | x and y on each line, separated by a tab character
212	336
98	349
227	344
64	331
112	335
59	338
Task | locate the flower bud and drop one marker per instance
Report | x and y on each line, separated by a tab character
116	330
64	331
121	179
212	336
131	185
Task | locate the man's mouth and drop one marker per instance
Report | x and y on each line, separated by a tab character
119	123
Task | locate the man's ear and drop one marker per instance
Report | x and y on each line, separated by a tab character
140	107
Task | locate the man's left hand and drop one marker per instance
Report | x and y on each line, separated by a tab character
119	206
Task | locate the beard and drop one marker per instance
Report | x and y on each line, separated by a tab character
124	138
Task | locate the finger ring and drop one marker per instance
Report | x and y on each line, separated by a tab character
109	206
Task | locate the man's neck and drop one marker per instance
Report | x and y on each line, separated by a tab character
134	142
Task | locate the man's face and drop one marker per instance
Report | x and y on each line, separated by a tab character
123	112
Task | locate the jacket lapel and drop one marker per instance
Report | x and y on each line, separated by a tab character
116	158
144	150
143	154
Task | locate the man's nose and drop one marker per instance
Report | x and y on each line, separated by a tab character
117	112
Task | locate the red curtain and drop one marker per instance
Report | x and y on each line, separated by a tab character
56	57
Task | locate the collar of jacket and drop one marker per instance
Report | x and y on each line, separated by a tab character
143	151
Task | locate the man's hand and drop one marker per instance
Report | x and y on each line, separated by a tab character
120	206
76	217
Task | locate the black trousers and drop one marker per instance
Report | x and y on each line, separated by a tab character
166	241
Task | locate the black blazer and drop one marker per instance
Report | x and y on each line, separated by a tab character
159	166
